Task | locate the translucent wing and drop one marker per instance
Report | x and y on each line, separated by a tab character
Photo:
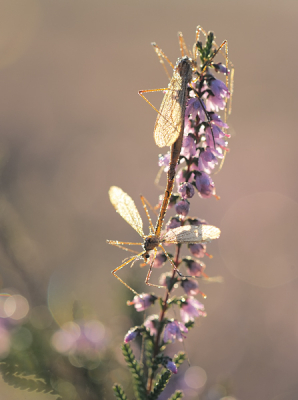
170	119
126	207
191	234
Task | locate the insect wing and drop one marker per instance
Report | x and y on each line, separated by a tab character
191	234
170	118
125	206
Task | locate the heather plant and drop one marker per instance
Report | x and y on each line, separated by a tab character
203	149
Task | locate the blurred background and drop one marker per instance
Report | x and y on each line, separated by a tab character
72	124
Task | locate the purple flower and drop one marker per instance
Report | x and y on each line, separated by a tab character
182	208
143	301
205	185
219	138
217	101
167	280
188	149
173	200
179	177
220	68
194	108
132	334
186	190
196	221
191	309
163	161
151	324
190	286
174	330
195	268
170	365
173	223
197	249
219	89
207	160
217	121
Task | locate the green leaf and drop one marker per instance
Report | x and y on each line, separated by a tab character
15	376
161	382
136	371
179	358
149	350
177	395
189	324
119	392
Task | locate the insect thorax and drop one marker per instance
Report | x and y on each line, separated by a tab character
184	68
150	242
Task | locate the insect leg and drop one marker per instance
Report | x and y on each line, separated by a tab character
140	92
144	201
117	244
171	261
177	270
230	84
161	55
150	271
183	49
123	265
157	179
150	206
207	63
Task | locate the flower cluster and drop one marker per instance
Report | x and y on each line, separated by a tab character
204	144
205	137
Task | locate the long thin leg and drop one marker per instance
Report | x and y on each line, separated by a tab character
171	261
116	242
153	209
161	55
123	265
228	63
182	45
230	84
158	176
195	49
177	270
213	55
122	247
143	200
149	205
150	271
231	89
140	92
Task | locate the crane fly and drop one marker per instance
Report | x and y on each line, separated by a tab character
169	125
126	207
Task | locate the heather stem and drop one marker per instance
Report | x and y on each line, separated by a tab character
161	317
